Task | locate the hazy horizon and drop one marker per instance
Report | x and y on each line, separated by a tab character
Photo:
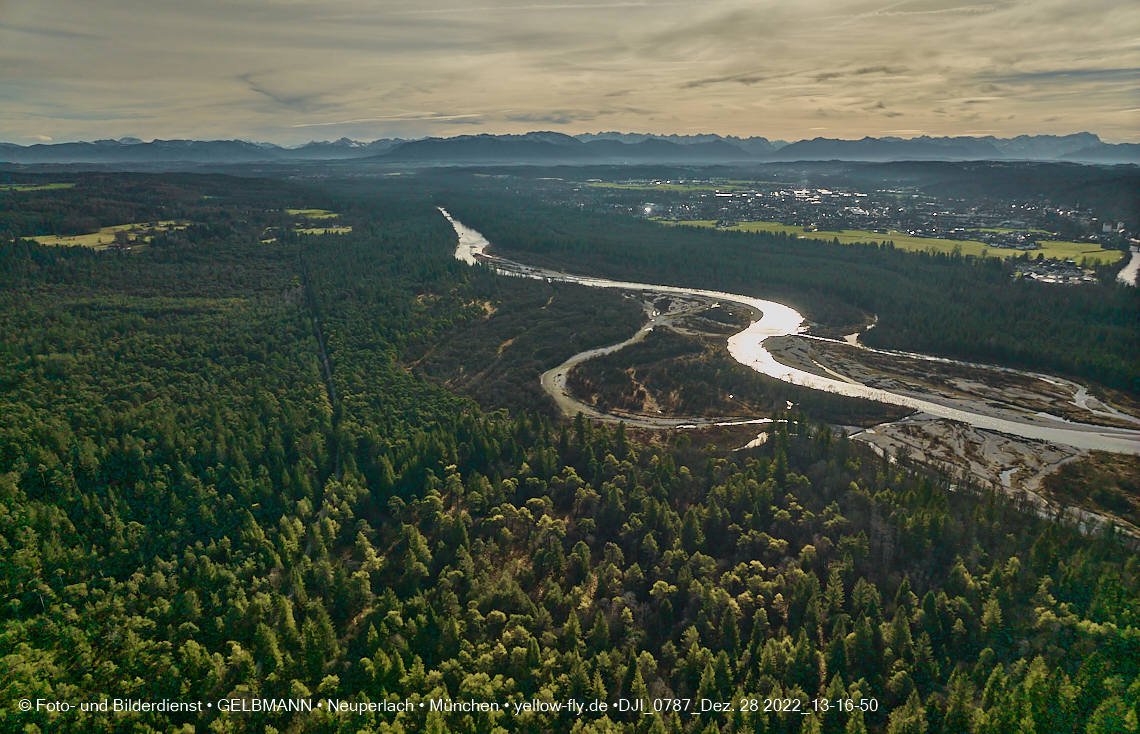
289	72
536	130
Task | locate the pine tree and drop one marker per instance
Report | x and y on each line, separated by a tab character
909	718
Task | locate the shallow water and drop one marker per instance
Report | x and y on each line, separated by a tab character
1128	274
747	347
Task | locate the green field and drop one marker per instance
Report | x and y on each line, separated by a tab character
313	213
1053	250
324	230
105	237
35	187
1060	250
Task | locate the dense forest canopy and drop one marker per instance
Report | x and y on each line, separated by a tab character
228	472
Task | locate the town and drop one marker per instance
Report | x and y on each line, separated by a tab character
1064	234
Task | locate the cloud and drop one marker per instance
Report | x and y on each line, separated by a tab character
556	118
297	101
745	79
538	7
942	11
272	69
51	32
1129	75
824	76
392	118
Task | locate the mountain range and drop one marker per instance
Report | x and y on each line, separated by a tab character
610	147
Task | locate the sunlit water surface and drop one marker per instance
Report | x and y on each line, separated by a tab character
747	347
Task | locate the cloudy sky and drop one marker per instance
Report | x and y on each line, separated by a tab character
289	71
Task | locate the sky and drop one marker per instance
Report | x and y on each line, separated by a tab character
290	71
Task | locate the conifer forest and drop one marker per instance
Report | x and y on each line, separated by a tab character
254	457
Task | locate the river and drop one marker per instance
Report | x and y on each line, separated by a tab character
1127	274
747	347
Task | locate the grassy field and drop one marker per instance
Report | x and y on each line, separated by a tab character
323	230
1076	250
1053	250
105	237
313	213
34	187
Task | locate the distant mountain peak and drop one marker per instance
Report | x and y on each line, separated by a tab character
545	146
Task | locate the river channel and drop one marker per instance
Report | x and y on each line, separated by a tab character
747	347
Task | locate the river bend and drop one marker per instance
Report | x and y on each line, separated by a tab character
747	347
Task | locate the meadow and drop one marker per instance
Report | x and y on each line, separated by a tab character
1057	250
36	187
313	213
324	230
105	237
